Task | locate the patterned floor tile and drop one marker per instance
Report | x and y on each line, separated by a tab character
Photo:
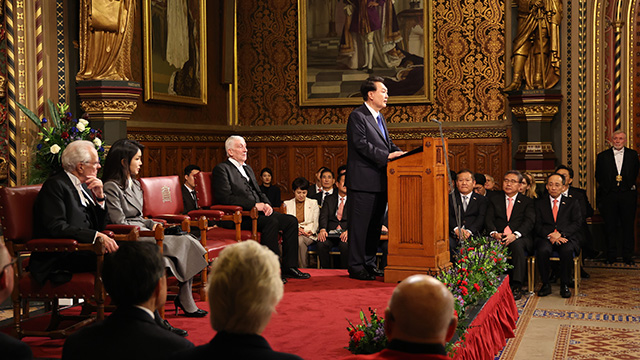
589	342
609	288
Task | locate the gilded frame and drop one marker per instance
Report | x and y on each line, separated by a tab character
425	95
160	72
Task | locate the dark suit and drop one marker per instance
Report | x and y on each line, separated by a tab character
128	333
568	224
231	188
586	210
522	220
14	349
58	213
189	204
320	197
617	200
227	346
368	152
472	219
329	221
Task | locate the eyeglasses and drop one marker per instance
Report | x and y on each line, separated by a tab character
93	163
511	181
13	261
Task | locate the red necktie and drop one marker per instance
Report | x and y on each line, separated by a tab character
340	210
507	230
554	209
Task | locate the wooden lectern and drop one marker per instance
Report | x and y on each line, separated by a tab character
418	213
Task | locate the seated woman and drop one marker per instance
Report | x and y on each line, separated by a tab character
528	186
306	210
183	254
272	191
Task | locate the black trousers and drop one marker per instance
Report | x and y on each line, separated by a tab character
324	247
544	249
365	211
618	210
519	259
270	228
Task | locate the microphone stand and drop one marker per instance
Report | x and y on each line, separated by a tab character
456	208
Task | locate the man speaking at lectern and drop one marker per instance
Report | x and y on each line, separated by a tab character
369	149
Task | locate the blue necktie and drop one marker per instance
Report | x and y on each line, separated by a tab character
381	127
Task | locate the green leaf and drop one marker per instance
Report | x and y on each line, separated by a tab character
30	115
53	114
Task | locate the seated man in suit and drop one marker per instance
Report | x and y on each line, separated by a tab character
510	219
234	183
471	209
71	205
134	277
327	181
557	228
586	210
419	321
12	348
306	211
189	199
244	289
333	226
317	186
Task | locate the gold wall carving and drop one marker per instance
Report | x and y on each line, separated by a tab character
109	105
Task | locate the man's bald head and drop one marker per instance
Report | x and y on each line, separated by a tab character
421	311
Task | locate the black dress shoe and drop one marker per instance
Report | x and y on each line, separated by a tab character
294	273
165	325
361	275
544	290
564	291
375	272
517	292
197	314
629	262
584	274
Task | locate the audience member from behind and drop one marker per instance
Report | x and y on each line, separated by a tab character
12	348
306	210
134	277
189	198
419	321
244	289
267	187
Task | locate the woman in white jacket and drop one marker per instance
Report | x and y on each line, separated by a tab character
307	212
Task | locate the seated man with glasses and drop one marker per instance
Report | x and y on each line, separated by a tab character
510	219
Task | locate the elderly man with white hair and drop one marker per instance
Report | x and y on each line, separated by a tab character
70	205
244	289
419	321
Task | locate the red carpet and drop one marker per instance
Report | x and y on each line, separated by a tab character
310	320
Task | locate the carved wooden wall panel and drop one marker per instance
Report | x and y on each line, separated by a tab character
291	159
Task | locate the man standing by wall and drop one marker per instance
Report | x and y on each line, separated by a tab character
369	149
616	196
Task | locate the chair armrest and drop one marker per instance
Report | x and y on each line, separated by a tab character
121	228
172	218
228	209
109	233
64	245
161	221
209	214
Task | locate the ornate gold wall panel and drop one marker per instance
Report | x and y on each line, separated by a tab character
468	66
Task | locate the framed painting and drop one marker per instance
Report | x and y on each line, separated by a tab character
175	51
340	46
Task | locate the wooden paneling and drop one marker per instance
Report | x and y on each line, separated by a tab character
291	159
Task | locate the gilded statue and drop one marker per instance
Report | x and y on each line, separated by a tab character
536	48
106	33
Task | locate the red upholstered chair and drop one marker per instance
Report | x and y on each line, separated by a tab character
206	200
16	214
162	197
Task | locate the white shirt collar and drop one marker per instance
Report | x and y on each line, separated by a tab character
149	312
373	112
551	198
506	197
240	168
78	185
616	152
188	188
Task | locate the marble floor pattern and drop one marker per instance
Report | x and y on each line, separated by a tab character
602	322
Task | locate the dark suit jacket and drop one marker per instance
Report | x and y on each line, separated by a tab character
231	188
14	349
368	152
227	346
58	213
187	200
568	223
318	196
328	219
473	219
522	216
606	172
128	333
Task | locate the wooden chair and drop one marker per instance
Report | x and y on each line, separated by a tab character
16	214
577	262
162	197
